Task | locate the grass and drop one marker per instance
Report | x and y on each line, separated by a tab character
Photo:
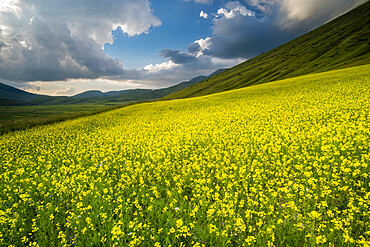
341	43
14	118
284	163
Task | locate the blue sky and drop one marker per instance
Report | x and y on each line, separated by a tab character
181	25
64	47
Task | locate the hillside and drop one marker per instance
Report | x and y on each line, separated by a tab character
343	42
13	95
112	97
284	163
89	94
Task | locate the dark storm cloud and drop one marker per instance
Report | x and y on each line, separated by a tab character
244	36
177	56
194	48
42	40
245	33
2	44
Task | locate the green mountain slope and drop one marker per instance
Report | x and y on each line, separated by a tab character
12	94
343	42
88	94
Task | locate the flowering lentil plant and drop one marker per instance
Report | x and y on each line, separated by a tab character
280	164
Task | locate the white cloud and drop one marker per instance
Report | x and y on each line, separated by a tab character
160	67
226	63
68	91
44	38
204	44
9	6
201	1
293	13
31	88
203	14
263	5
72	87
233	9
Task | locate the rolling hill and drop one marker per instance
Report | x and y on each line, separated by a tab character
343	42
12	94
112	97
89	94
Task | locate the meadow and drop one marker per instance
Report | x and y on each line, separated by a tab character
23	117
285	163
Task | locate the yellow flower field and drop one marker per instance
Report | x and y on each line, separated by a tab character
280	164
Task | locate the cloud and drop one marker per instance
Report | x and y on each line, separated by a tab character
67	91
234	9
2	44
294	13
203	14
75	86
58	40
244	31
160	67
265	6
201	1
178	57
297	13
31	88
194	48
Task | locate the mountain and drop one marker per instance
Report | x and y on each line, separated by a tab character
139	94
89	94
152	94
342	42
13	95
96	96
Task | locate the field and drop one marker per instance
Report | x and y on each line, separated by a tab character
23	117
278	164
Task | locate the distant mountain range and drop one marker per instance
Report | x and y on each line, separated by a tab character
341	43
14	96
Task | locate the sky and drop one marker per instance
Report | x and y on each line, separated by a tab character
65	47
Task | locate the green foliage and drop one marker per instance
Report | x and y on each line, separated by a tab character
341	43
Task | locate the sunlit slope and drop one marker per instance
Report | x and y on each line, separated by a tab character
343	42
284	163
